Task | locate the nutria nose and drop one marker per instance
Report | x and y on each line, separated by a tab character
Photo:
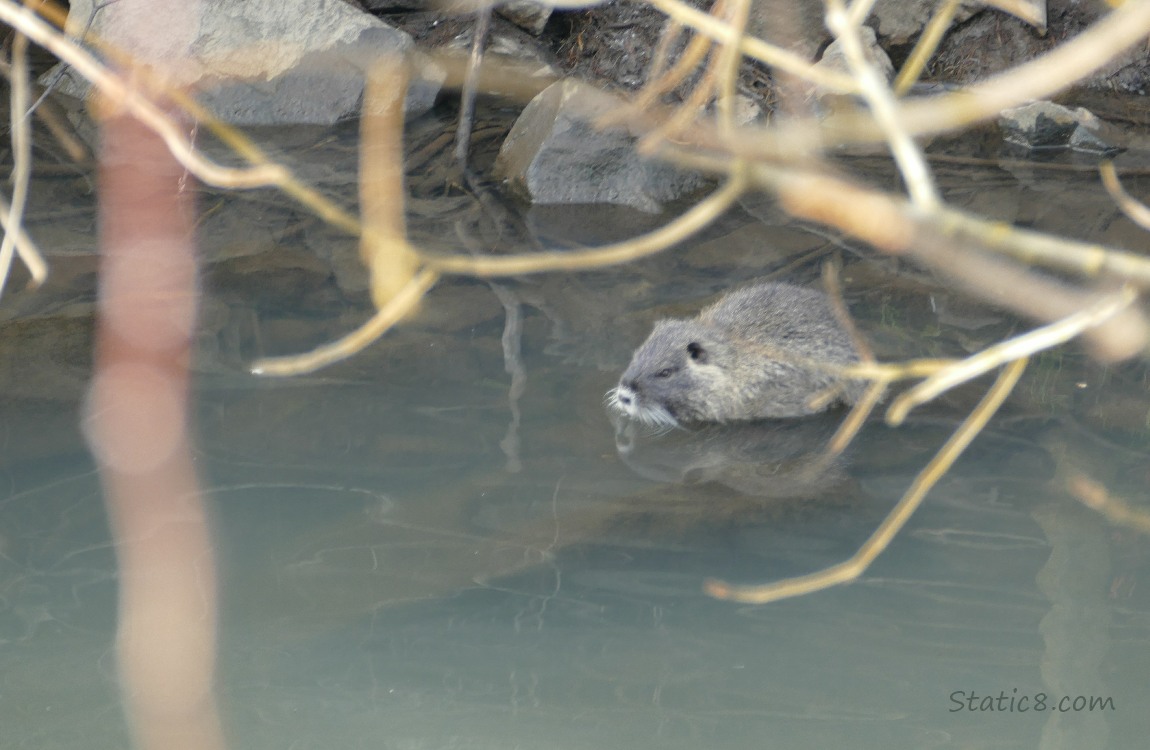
625	399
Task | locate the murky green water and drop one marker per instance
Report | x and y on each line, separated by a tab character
414	555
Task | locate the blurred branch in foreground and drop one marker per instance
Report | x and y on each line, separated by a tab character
1116	510
899	515
136	423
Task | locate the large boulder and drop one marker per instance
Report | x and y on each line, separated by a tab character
258	62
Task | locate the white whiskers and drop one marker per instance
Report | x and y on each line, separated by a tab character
626	401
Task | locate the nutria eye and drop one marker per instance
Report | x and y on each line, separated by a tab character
666	372
697	352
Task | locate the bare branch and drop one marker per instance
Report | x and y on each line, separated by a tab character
878	542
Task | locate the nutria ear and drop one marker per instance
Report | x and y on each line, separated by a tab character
697	352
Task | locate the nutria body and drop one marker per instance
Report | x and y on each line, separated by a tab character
759	352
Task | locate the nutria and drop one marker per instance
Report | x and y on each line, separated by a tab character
762	351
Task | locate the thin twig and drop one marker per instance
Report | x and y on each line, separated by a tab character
470	87
834	291
60	17
1014	348
683	115
1095	496
670	34
690	59
756	48
874	393
1037	248
728	66
858	11
353	343
901	513
383	243
319	204
924	48
27	249
1135	210
698	217
881	101
54	120
857	416
21	170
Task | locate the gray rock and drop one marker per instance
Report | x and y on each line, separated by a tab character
264	62
1086	140
834	59
1046	125
900	21
799	25
993	41
796	25
554	154
529	16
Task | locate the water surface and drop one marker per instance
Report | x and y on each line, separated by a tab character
415	552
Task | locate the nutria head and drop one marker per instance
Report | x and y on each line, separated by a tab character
672	373
768	351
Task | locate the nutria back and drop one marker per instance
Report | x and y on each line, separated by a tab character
763	351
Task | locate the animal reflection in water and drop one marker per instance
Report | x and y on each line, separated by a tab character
769	459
